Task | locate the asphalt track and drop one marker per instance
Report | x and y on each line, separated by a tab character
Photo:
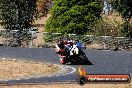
104	62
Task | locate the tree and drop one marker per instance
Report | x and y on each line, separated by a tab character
43	6
18	15
106	6
124	7
107	28
73	16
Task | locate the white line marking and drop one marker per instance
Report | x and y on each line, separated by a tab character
26	78
18	79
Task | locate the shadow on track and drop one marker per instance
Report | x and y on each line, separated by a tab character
80	63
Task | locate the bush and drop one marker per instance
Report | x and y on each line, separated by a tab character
73	16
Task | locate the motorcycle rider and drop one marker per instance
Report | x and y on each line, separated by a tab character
79	45
68	45
76	47
60	46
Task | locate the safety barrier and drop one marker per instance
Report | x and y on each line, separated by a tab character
108	42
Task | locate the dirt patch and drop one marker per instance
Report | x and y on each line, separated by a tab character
41	21
95	45
72	86
13	69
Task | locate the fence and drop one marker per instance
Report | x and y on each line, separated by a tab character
15	38
108	42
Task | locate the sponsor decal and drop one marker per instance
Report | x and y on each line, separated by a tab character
83	78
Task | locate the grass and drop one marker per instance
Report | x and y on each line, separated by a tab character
14	69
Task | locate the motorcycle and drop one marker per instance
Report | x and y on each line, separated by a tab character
70	52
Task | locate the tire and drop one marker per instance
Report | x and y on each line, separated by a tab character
81	80
63	61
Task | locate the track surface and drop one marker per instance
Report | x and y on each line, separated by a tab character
104	62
